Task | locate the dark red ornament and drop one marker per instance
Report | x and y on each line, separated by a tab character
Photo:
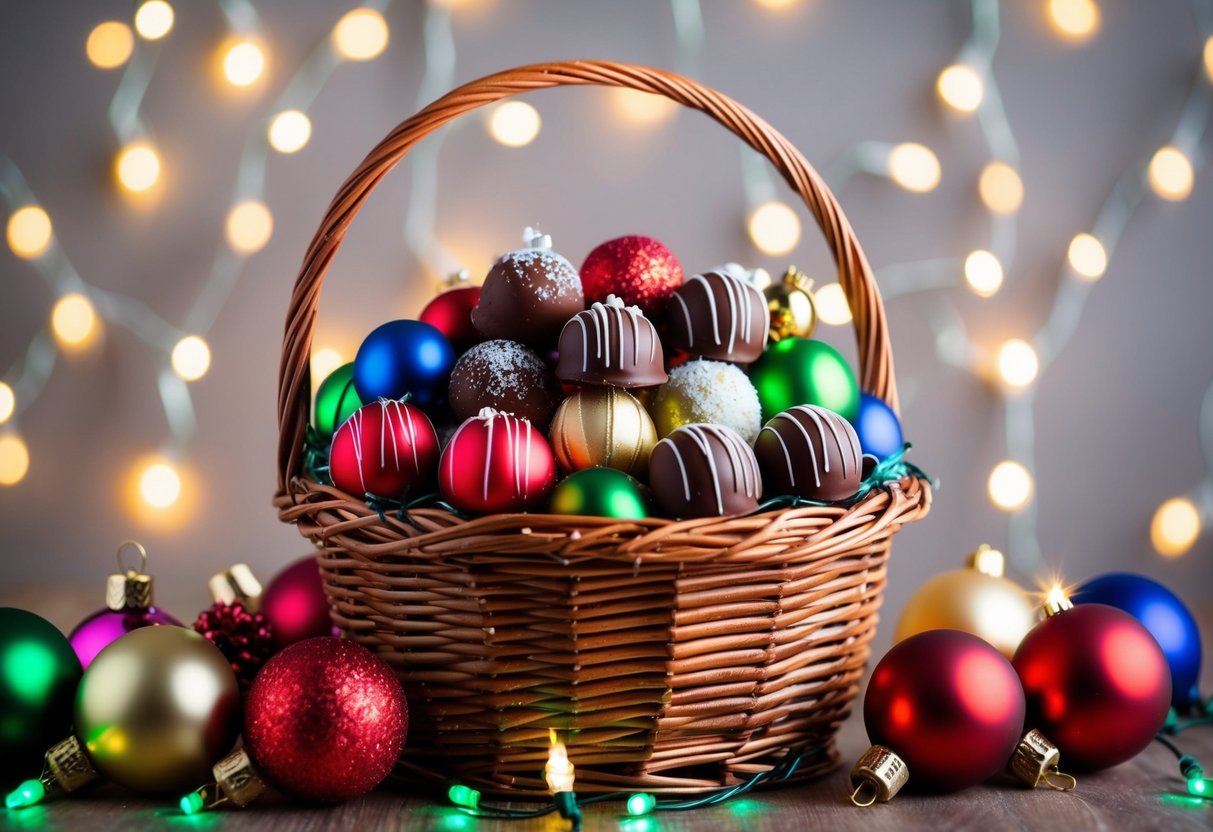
384	449
496	463
640	270
325	720
451	314
948	704
244	638
295	605
1096	683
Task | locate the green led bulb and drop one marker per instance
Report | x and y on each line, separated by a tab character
192	804
1198	786
27	794
464	796
641	803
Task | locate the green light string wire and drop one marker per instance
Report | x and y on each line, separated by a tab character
1190	768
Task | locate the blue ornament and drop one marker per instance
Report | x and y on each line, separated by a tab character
404	358
878	427
1164	615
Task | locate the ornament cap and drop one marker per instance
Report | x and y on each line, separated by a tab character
237	583
796	279
878	776
238	779
130	589
987	561
1035	761
68	767
1057	601
534	238
456	279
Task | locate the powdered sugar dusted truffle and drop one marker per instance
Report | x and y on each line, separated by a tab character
810	452
719	315
704	471
529	294
712	392
611	344
505	376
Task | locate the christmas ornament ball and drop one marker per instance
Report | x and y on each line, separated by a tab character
600	492
325	720
640	270
385	449
948	704
450	312
157	708
102	628
792	307
805	371
404	358
496	463
295	605
1162	613
244	638
603	426
1096	683
878	427
39	673
336	401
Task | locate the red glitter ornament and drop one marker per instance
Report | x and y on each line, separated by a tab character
1097	684
244	638
325	720
948	704
383	449
640	270
496	463
451	314
295	605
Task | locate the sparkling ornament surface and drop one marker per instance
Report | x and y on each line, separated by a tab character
948	704
878	427
600	492
708	392
603	426
39	673
804	371
496	463
336	401
1096	682
157	708
404	358
386	449
792	308
450	312
295	605
325	720
1162	613
640	270
95	633
242	637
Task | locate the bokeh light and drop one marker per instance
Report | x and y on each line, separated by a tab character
73	320
1170	174
360	35
776	5
1000	188
14	459
109	45
249	226
160	485
8	402
289	131
514	123
1209	57
774	228
914	167
243	63
960	87
137	167
191	358
154	19
1075	20
832	306
1175	527
1010	486
983	273
29	231
643	108
324	361
1087	256
1017	363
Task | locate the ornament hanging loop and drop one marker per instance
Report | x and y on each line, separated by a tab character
1059	781
138	547
868	788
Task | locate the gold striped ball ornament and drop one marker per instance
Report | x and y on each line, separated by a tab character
603	426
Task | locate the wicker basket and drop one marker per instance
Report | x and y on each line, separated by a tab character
676	657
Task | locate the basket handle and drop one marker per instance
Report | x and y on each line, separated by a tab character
854	273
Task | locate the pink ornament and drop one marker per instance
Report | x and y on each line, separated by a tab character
496	463
384	449
295	605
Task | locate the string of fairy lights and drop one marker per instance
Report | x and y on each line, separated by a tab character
965	87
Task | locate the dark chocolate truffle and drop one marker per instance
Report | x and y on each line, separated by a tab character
704	471
611	344
528	295
810	452
505	376
718	315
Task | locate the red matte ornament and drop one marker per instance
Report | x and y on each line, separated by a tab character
294	604
1097	684
383	449
325	720
496	463
451	314
640	270
947	703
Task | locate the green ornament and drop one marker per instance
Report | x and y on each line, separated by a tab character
336	400
600	492
39	674
804	371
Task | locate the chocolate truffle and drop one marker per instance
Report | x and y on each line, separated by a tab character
719	315
529	294
810	452
611	344
709	392
704	471
505	376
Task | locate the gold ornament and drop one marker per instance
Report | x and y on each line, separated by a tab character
603	426
977	600
793	311
157	708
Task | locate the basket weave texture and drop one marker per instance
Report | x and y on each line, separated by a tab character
672	656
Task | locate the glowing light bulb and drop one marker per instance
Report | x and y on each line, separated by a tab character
249	226
1000	188
154	19
1076	20
983	272
832	306
137	167
1087	256
1010	486
109	45
1170	174
559	769
776	5
1057	600
961	88
14	459
514	123
191	358
29	232
290	131
641	107
1017	363
324	361
1209	57
160	485
774	228
73	320
914	167
243	63
8	402
1175	527
360	35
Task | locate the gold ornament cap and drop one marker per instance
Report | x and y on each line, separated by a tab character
987	561
130	588
1057	602
237	583
237	778
1035	761
878	776
68	766
792	306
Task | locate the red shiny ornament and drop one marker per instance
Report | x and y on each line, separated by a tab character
295	605
948	704
496	463
325	720
383	449
451	314
640	270
1097	684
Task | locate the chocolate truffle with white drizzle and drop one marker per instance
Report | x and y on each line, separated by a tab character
809	452
611	344
718	315
528	294
704	471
